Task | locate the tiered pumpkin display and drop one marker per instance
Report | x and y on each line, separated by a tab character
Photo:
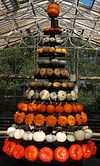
51	113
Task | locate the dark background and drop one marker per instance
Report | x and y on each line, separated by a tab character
4	160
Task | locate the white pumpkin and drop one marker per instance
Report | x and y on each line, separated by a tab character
21	132
11	131
61	95
29	93
74	95
79	135
69	96
54	60
29	136
44	95
52	39
88	133
25	136
50	138
39	136
18	133
85	127
53	96
61	137
46	39
71	138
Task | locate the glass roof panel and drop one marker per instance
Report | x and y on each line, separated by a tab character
76	18
87	3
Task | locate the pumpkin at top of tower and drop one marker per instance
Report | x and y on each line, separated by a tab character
53	9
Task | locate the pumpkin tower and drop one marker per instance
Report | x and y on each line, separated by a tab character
51	125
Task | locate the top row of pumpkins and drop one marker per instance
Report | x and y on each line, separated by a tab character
53	9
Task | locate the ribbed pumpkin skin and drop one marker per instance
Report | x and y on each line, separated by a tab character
53	10
50	108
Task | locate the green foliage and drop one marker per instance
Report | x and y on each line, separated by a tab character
16	61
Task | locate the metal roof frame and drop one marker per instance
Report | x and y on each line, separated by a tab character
31	15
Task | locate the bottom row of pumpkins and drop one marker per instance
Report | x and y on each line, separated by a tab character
61	154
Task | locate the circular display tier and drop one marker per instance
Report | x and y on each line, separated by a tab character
52	63
55	73
50	108
50	152
50	85
51	50
52	95
57	135
52	31
51	41
50	120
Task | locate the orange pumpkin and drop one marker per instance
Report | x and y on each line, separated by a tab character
53	9
74	106
71	120
51	120
41	108
78	119
62	120
80	107
59	108
22	106
68	108
31	153
39	120
29	119
32	107
19	117
84	117
52	30
50	108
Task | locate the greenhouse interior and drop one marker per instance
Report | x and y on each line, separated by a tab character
50	82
